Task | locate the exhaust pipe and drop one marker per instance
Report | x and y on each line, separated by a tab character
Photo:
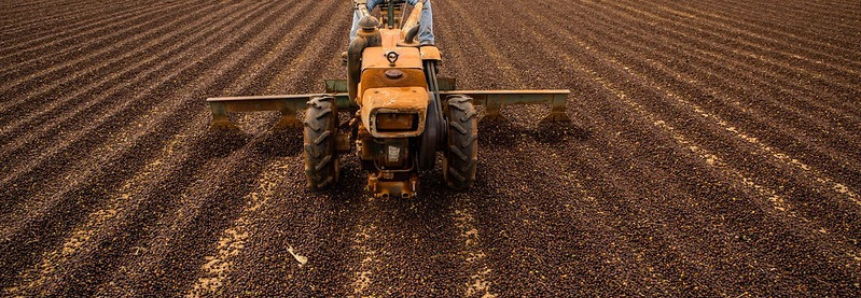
368	36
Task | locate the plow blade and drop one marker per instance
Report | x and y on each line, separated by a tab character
289	105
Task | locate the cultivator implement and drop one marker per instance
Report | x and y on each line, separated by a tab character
402	114
289	105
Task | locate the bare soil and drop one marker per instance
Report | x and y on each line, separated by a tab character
715	151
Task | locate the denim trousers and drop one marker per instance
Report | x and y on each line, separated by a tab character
425	21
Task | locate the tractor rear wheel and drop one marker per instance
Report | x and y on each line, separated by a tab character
321	159
460	156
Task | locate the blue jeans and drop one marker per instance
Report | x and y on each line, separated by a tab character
425	21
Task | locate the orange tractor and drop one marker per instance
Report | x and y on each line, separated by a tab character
401	114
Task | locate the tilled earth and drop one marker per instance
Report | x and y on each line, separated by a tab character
715	151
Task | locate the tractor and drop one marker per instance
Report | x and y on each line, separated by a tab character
401	113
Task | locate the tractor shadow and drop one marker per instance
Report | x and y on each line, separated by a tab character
220	143
411	234
281	143
270	143
504	132
526	123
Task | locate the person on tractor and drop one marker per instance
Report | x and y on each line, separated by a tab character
425	36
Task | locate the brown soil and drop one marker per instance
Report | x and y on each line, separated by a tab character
716	151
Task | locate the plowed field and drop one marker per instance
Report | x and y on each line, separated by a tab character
716	151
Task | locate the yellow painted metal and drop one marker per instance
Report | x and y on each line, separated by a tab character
382	78
408	57
430	53
407	100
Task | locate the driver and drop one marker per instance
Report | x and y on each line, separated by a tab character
425	21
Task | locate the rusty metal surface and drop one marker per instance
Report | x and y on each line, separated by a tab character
377	78
406	100
383	188
288	105
495	100
383	180
430	53
337	86
375	57
341	86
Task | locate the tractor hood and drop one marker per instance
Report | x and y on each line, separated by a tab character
397	112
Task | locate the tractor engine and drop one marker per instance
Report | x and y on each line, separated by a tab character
393	98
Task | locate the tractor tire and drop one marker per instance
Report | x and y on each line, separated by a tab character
460	157
321	159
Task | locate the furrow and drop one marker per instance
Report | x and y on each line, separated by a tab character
76	107
783	35
92	138
847	83
306	234
201	222
78	11
482	40
72	22
363	276
32	280
478	284
605	238
766	199
188	209
764	43
176	112
49	45
16	25
117	103
828	186
27	78
473	258
713	152
793	82
513	186
233	241
788	82
722	123
180	177
298	257
315	227
825	17
797	14
34	6
744	181
837	140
